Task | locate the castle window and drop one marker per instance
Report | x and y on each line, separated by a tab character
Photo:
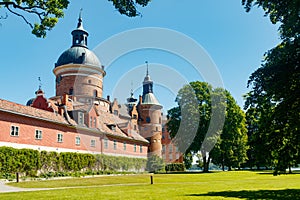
160	120
80	118
156	128
89	81
148	120
105	143
95	122
134	127
38	134
170	148
134	116
170	156
93	143
134	148
116	112
124	146
115	145
77	140
59	137
163	148
91	122
95	93
141	148
14	131
71	91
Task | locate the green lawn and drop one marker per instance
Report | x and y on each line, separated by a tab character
218	185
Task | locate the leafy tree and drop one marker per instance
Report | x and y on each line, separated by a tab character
275	87
48	12
231	148
285	12
196	123
188	160
155	164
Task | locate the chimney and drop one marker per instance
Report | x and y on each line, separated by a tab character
108	98
140	98
65	99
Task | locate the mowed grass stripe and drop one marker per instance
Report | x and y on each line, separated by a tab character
221	185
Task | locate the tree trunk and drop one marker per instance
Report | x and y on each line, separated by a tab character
223	167
290	169
205	163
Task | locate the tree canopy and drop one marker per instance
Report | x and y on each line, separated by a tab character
48	12
274	100
202	110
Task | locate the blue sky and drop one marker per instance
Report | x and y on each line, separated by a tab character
234	40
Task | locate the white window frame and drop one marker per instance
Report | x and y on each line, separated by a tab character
115	144
105	143
93	143
124	146
134	148
60	137
77	140
38	134
141	148
14	130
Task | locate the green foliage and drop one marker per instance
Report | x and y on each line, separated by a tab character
175	167
155	164
48	12
50	164
129	7
188	160
284	12
274	102
203	109
231	148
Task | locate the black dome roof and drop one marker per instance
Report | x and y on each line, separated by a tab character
78	55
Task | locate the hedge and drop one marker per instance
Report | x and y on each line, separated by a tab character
175	167
32	162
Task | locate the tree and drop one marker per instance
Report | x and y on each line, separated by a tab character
49	11
275	86
154	164
196	123
285	12
231	148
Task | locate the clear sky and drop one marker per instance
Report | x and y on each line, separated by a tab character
232	39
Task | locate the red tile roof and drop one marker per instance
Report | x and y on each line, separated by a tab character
18	109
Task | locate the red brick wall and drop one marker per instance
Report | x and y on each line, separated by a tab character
27	127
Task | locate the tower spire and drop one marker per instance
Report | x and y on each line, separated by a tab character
79	34
79	25
147	73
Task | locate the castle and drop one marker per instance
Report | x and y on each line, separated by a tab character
79	119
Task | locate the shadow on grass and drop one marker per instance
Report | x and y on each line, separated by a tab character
287	194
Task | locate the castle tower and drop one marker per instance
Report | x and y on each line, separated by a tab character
78	71
150	117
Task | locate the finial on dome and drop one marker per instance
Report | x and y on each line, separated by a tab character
147	74
79	25
40	83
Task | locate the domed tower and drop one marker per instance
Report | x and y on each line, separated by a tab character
150	117
78	71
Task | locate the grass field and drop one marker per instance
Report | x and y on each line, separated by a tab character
217	185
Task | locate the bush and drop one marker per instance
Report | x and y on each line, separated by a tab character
175	167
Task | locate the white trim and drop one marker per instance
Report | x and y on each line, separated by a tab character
59	150
82	68
79	74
